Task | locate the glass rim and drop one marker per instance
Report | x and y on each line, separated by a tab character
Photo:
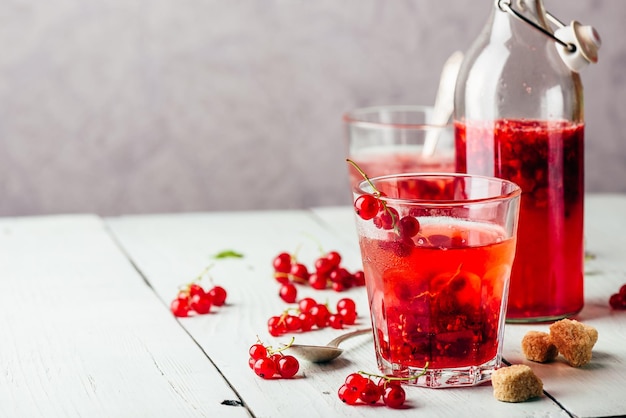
515	192
355	117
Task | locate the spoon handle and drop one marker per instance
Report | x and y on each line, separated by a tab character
342	338
444	102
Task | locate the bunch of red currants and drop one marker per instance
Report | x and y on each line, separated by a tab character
618	300
193	298
327	274
268	363
310	314
361	387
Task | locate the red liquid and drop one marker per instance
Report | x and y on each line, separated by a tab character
546	160
384	162
438	301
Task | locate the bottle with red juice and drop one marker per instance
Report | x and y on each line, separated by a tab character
519	116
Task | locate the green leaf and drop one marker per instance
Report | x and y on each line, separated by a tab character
228	254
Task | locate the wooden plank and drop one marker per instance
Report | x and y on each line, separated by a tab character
169	249
578	390
83	335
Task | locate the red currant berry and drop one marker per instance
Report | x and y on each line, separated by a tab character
306	321
321	314
251	362
622	291
358	278
276	326
387	217
349	317
617	301
201	303
299	273
408	226
339	275
265	367
323	265
276	357
356	381
288	292
196	289
293	323
305	304
180	307
338	286
257	351
288	366
218	295
335	321
334	258
348	395
366	206
346	303
317	281
394	396
282	263
370	394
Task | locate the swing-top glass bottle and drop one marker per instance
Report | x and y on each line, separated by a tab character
519	116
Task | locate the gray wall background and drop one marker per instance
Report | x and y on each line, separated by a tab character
143	106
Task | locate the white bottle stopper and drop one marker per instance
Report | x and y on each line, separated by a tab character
586	42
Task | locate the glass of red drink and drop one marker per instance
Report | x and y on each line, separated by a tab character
437	253
398	139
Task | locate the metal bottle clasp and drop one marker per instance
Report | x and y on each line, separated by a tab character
578	45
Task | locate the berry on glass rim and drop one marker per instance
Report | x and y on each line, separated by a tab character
367	206
384	216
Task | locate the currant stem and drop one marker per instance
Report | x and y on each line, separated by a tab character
401	379
362	173
281	349
204	273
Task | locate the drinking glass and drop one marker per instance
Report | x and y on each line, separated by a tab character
437	251
398	139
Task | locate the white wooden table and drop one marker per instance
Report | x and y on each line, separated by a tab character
86	329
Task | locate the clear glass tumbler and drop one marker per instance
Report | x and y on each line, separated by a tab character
437	252
398	139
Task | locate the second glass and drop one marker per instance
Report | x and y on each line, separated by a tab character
398	139
437	252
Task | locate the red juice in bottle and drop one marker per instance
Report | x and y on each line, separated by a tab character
438	301
545	158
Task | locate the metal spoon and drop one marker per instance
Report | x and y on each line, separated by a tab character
325	353
444	101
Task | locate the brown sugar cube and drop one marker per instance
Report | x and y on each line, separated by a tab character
516	383
592	332
537	346
574	340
